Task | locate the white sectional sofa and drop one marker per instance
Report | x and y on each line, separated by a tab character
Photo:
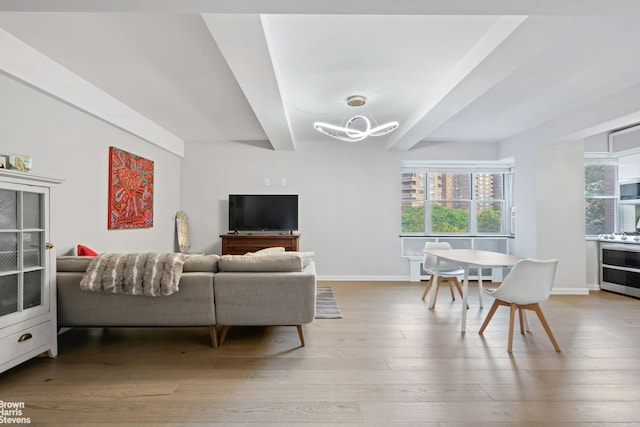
266	289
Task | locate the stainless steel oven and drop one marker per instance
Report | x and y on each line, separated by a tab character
620	268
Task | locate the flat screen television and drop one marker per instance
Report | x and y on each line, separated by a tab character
263	212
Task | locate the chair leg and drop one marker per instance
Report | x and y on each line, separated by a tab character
458	286
526	321
520	316
435	294
522	313
301	335
512	315
223	334
426	289
494	307
545	325
449	281
214	336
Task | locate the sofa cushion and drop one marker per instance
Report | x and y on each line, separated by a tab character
267	251
83	250
192	263
73	263
285	262
307	257
208	263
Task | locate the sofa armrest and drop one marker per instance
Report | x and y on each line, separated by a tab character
254	299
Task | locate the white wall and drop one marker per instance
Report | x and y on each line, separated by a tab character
349	197
560	211
549	199
525	186
66	143
592	260
629	167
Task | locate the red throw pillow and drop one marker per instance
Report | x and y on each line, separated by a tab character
85	251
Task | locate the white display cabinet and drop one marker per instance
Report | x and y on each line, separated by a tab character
28	323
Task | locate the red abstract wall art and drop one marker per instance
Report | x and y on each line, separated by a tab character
130	190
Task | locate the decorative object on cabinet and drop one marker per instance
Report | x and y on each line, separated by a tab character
28	321
130	190
3	162
20	162
182	230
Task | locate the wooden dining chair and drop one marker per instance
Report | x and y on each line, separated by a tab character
527	284
448	272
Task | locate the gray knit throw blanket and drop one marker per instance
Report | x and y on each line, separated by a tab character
149	274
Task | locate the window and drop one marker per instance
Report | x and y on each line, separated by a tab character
450	202
600	178
456	201
413	202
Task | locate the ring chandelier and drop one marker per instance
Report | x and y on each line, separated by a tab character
357	127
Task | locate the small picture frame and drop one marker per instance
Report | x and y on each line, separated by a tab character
20	162
3	162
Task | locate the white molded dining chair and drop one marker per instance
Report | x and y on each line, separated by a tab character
448	272
528	283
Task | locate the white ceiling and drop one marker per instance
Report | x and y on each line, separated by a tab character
247	71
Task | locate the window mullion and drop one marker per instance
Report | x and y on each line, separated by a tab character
427	203
473	219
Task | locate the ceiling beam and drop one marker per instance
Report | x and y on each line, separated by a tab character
28	65
466	82
242	41
615	111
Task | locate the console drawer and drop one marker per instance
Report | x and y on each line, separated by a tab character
24	341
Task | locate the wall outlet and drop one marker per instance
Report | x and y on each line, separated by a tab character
283	182
267	182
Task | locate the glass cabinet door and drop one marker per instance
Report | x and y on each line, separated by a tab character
22	256
32	249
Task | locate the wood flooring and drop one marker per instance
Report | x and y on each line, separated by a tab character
390	361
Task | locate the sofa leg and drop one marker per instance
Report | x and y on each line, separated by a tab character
300	334
214	335
223	335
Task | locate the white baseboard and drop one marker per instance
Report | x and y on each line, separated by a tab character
570	291
363	278
556	291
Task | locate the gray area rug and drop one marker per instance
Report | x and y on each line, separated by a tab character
326	304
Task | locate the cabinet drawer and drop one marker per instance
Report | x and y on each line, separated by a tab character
11	346
239	244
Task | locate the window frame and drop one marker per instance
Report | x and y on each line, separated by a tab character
591	160
507	172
